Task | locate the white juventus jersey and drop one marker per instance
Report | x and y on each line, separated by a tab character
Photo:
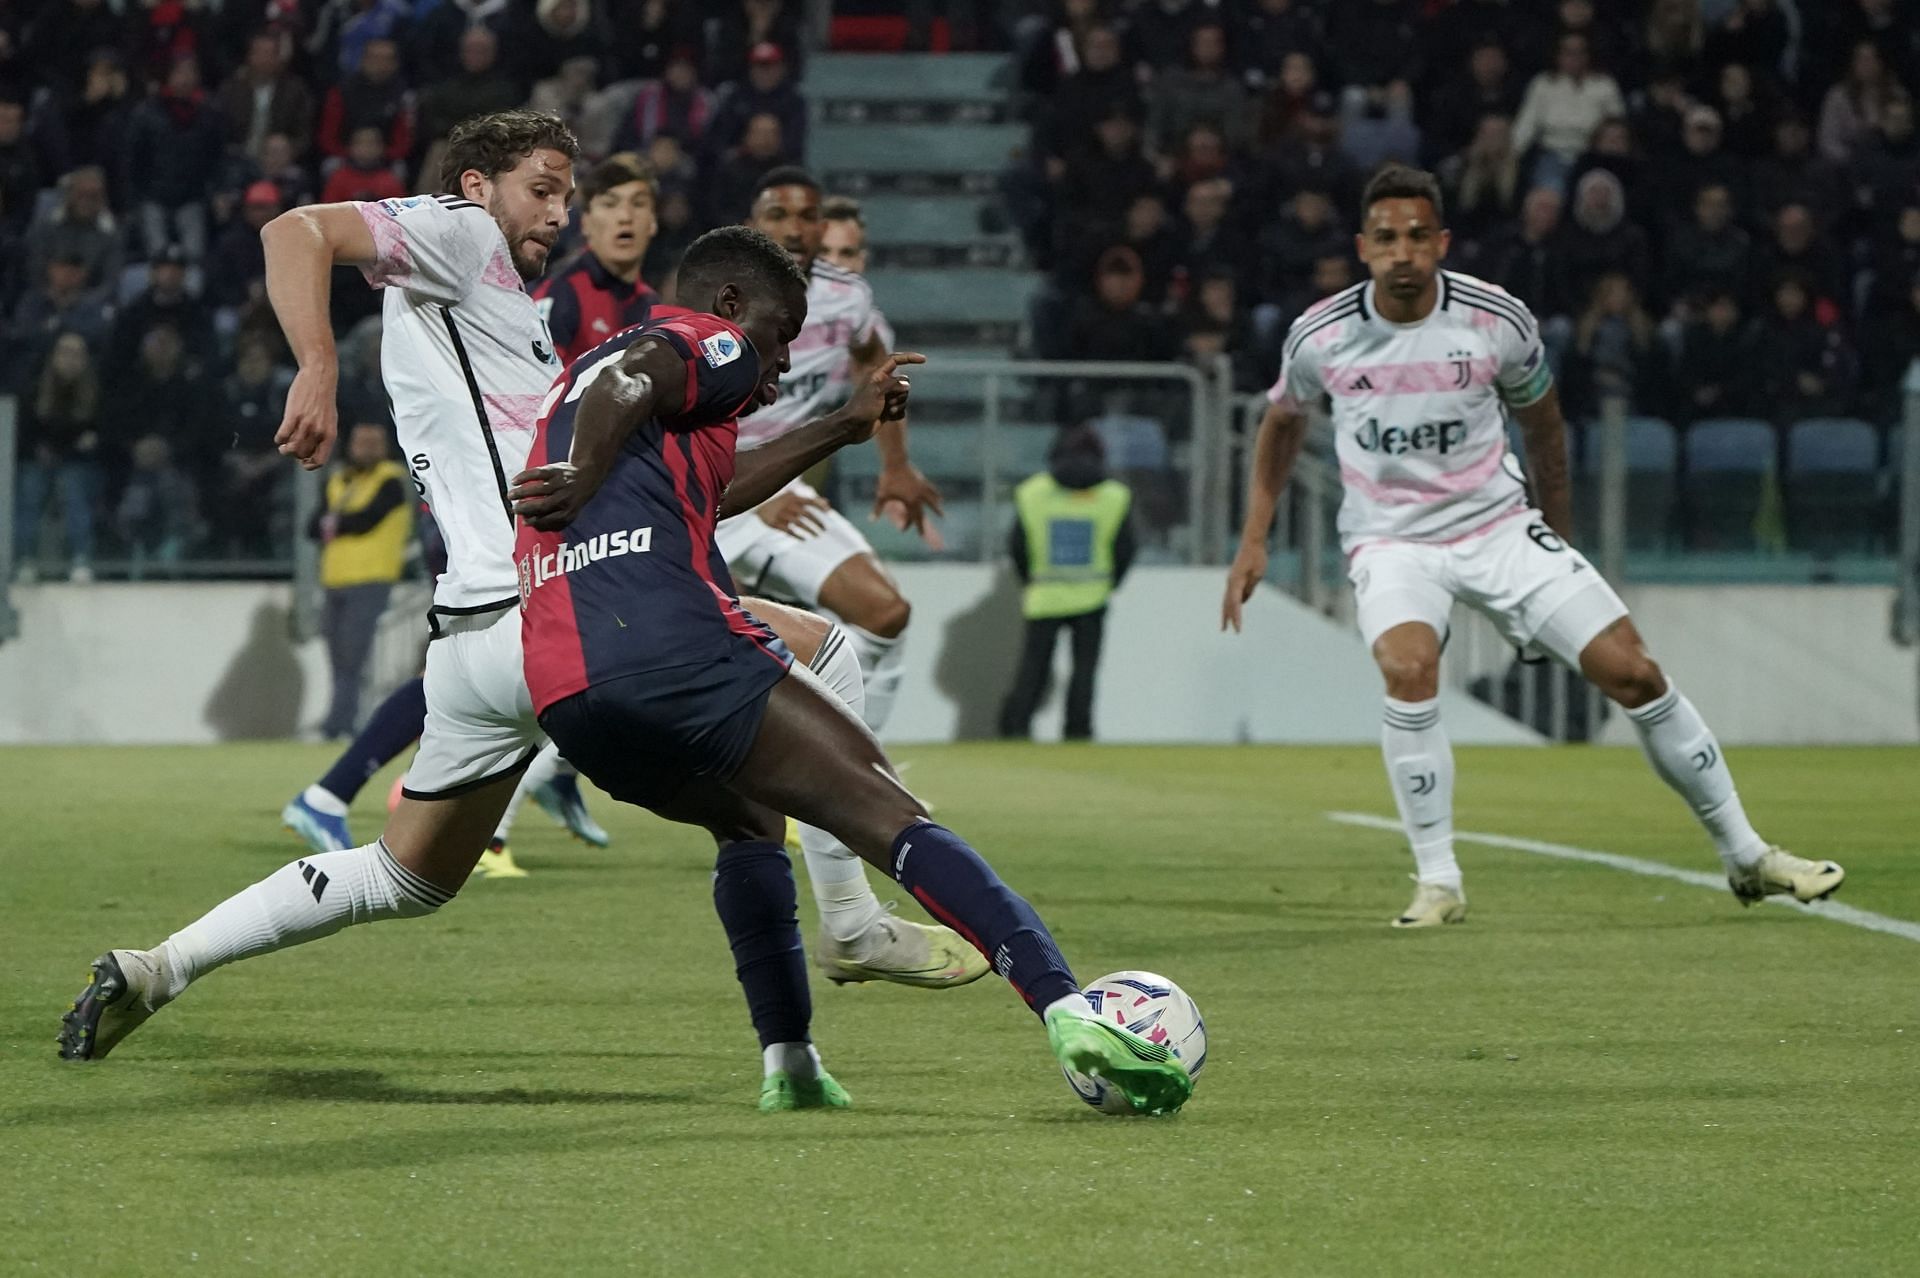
1418	423
467	361
839	316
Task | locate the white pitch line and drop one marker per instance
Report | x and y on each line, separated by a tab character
1832	911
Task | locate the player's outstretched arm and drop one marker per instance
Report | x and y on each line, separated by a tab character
761	472
1282	431
1543	433
302	248
902	493
616	397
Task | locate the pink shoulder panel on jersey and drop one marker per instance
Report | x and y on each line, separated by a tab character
392	265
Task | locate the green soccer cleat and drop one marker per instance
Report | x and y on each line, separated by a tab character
1145	1073
781	1091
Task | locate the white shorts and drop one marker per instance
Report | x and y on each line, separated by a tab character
1540	593
480	722
769	561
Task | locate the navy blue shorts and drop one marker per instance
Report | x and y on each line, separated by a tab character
642	737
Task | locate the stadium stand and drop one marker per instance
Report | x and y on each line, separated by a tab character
1712	205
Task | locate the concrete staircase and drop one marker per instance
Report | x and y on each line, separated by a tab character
921	140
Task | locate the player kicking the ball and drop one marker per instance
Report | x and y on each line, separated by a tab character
458	320
666	693
468	368
1418	363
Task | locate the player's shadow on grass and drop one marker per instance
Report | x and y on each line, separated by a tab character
368	1086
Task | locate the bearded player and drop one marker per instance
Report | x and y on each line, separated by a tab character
1420	365
468	367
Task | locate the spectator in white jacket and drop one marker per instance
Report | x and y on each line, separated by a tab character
1561	110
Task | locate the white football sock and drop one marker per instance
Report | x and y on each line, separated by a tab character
302	901
880	661
797	1060
1683	752
1076	1004
324	801
1420	769
848	907
538	773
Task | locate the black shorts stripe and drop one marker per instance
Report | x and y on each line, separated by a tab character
480	411
467	787
438	611
1307	328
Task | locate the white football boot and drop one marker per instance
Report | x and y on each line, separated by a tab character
903	952
1779	872
1433	905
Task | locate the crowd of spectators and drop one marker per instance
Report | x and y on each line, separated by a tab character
145	143
1712	205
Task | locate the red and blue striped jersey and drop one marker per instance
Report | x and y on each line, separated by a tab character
584	304
636	583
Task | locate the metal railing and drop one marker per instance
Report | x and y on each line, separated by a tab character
10	491
1209	435
968	411
1906	626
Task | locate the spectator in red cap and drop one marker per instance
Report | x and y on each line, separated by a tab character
767	90
238	262
744	26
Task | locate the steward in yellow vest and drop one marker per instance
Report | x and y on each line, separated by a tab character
365	529
367	525
1072	542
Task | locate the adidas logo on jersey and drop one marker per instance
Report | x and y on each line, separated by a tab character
1362	385
1442	437
538	570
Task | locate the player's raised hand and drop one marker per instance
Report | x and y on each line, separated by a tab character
904	496
795	513
550	497
312	418
1249	568
882	395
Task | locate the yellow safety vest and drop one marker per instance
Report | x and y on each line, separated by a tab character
377	554
1071	533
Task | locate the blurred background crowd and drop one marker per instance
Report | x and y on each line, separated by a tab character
1712	205
143	146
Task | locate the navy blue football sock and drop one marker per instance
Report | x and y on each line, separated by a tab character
393	726
960	889
754	895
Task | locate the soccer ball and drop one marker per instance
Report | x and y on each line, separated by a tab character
1154	1008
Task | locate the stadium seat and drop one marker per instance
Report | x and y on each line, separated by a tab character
1832	485
1729	479
1652	460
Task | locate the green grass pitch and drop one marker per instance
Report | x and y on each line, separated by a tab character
1600	1073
